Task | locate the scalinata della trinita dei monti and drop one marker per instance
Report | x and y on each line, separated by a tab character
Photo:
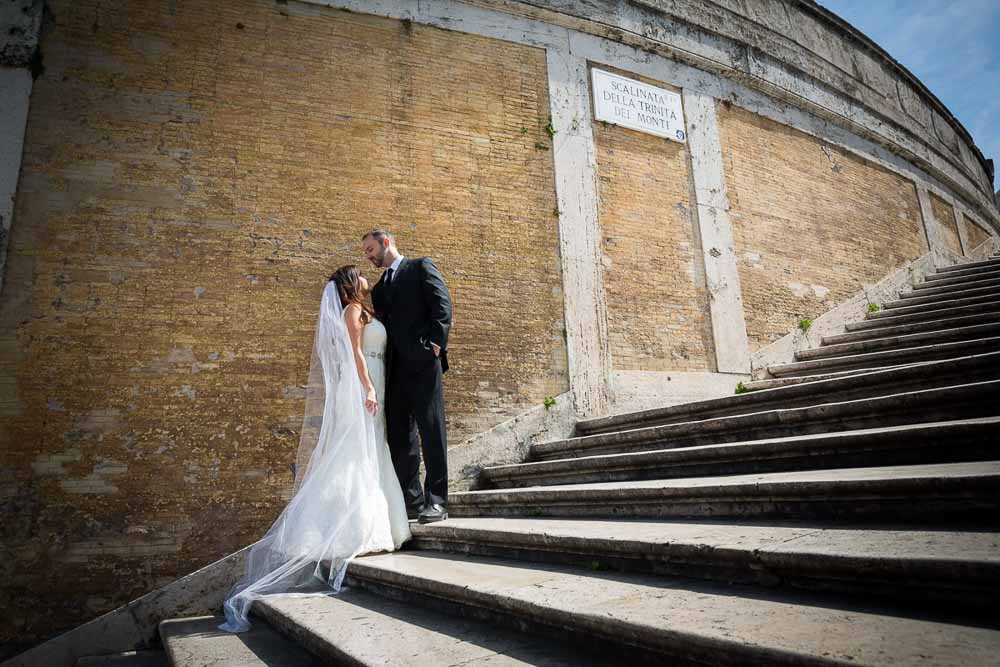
689	352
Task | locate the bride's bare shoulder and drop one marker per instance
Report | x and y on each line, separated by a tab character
353	312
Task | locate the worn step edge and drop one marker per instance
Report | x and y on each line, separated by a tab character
954	288
913	565
967	492
972	332
357	627
888	319
961	273
921	309
940	279
775	383
838	383
966	401
141	658
992	261
938	299
886	357
966	439
915	327
695	621
260	645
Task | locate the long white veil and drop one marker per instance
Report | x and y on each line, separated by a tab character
331	516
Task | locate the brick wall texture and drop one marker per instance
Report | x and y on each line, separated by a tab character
945	224
811	222
656	297
192	172
974	233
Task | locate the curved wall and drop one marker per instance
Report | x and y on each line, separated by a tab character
184	193
812	222
191	171
805	55
658	318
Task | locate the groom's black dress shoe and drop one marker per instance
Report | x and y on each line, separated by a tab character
432	513
414	512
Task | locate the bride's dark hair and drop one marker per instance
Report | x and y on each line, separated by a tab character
348	281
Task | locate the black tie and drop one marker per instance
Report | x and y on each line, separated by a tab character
388	278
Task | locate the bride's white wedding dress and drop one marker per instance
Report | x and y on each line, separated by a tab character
348	500
373	344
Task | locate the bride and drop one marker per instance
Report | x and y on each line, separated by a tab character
347	499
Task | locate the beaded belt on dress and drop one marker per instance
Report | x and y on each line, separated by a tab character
375	355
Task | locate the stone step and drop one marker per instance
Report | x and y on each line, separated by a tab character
961	273
957	277
951	280
931	567
950	291
198	642
909	300
772	383
356	627
908	306
842	386
918	314
673	619
885	358
914	327
127	659
992	261
914	494
935	442
966	401
973	332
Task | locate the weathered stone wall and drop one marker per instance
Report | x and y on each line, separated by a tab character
944	224
804	54
974	233
20	24
192	172
21	21
657	304
812	223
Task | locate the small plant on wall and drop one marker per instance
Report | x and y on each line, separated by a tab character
804	324
873	308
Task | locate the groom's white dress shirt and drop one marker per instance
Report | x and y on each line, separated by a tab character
395	265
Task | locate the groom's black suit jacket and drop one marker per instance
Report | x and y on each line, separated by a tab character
416	309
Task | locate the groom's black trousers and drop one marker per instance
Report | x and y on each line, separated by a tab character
415	403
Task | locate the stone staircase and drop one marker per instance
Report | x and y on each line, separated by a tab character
844	510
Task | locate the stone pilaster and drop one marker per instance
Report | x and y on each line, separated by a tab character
579	231
21	21
729	329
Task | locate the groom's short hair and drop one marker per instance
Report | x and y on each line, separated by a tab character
378	235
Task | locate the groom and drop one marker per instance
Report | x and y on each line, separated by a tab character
412	301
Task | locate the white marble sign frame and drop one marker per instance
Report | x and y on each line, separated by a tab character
638	106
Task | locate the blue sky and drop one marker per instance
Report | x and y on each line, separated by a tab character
952	46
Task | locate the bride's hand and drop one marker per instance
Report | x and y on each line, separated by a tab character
371	401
